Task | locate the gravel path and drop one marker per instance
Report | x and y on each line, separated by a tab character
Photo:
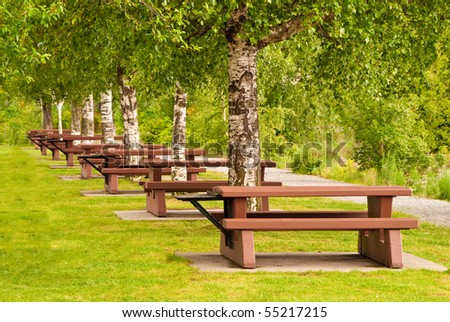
434	211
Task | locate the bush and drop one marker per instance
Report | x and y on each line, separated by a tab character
16	119
444	187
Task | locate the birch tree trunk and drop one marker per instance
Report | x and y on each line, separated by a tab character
47	119
243	124
179	133
128	105
75	123
108	128
59	107
243	128
87	119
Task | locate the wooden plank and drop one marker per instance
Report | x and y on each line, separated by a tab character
310	191
150	152
139	171
196	164
292	224
188	186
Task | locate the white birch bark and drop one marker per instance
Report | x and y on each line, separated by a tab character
106	111
87	118
59	107
243	124
179	133
128	103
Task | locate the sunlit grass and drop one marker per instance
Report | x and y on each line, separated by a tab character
56	245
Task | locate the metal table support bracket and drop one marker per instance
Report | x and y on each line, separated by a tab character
194	200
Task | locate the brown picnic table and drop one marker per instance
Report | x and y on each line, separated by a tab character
156	189
37	137
65	144
379	234
112	163
96	150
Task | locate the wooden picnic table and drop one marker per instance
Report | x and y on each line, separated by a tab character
155	165
379	234
65	144
156	190
36	136
100	150
112	163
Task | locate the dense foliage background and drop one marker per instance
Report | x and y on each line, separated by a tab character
366	100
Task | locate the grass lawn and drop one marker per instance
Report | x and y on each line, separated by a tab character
56	245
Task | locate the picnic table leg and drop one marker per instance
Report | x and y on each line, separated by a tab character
192	176
156	203
383	246
112	183
55	154
242	249
156	199
86	170
69	159
69	155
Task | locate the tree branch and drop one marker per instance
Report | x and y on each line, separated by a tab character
289	28
156	12
283	31
200	32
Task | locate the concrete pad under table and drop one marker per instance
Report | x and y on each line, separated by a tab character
63	166
303	262
183	214
70	178
103	193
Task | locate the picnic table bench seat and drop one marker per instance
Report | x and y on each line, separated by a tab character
379	236
112	175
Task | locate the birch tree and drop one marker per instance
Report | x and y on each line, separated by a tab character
244	141
87	118
246	28
75	120
59	107
179	133
106	111
47	118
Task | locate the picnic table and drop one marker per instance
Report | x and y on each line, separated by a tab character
95	150
65	144
156	189
36	136
112	163
379	235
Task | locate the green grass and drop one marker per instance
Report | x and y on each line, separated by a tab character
56	245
